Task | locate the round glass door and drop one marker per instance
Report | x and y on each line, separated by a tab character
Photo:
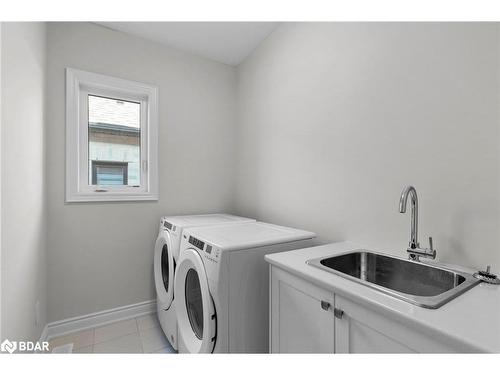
196	318
165	266
194	302
164	271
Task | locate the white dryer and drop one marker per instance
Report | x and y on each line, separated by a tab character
166	254
222	286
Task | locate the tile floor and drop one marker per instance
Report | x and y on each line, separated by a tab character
138	335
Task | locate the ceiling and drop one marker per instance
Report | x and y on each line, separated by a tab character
227	42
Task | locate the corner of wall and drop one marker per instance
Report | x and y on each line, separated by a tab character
1	126
24	69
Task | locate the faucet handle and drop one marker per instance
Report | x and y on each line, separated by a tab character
431	248
487	276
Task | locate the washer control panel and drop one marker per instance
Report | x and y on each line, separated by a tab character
167	226
209	252
212	253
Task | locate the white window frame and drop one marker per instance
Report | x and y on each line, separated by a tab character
78	85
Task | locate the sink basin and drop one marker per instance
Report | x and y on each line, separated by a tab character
425	285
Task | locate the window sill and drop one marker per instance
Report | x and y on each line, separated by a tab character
103	197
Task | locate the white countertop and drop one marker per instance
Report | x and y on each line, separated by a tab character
472	318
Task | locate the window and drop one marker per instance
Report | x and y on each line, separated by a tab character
109	173
111	138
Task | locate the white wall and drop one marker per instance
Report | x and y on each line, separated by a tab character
330	122
100	255
335	119
1	181
23	194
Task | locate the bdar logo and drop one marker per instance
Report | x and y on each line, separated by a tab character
8	346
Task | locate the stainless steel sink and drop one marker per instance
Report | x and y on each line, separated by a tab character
425	285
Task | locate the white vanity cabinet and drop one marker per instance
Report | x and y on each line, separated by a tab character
299	323
305	318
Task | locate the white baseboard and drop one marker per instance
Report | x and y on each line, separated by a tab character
79	323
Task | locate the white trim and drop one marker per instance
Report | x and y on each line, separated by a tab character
77	188
97	319
45	334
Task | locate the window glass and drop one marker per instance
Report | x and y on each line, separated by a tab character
165	266
109	173
194	303
114	141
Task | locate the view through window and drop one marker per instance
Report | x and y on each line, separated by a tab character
114	146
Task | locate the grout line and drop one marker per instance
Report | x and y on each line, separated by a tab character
94	343
104	342
117	337
97	325
139	334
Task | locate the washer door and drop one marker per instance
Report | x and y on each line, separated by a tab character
164	270
195	309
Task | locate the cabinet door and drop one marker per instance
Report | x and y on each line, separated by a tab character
363	330
302	319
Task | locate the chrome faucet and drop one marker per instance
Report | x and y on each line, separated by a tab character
414	250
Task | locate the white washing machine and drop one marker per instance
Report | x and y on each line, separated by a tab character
166	255
222	286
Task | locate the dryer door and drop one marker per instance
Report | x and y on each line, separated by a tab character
194	305
164	270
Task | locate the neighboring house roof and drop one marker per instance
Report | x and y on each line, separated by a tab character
114	112
113	129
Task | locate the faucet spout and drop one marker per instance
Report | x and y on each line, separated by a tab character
412	193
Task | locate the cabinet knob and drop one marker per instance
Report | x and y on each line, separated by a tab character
325	305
